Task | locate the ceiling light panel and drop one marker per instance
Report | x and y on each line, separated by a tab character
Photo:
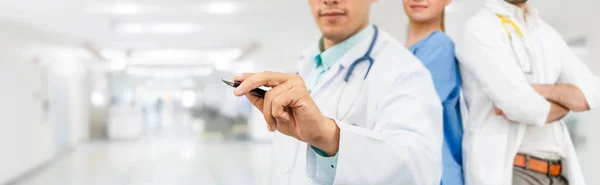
126	8
173	28
183	56
115	8
215	7
167	73
221	7
156	28
213	55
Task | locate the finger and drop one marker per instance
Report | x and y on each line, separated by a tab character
286	124
256	101
269	79
243	76
282	102
267	106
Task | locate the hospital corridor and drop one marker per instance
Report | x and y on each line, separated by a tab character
130	92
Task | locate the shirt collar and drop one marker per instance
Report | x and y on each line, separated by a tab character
514	12
330	56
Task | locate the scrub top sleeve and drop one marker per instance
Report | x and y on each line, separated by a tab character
439	59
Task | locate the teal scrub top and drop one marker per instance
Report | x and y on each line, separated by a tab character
437	54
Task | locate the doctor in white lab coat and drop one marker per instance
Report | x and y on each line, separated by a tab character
379	125
520	79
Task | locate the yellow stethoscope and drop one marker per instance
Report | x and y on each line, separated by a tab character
526	66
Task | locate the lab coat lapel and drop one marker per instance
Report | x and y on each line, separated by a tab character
341	66
306	65
496	7
326	79
352	90
521	47
346	93
356	52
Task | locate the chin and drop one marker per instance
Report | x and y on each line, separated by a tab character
420	19
333	32
516	1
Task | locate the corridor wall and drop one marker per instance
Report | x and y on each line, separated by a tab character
34	66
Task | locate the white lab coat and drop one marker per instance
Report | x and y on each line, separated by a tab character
492	76
390	124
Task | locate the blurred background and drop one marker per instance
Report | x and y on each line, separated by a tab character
129	92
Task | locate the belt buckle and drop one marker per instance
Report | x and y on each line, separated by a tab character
550	163
527	158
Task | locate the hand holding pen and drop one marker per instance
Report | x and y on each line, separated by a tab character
289	108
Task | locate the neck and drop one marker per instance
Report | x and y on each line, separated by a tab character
418	31
330	42
522	6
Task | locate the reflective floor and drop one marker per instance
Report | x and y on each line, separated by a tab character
172	157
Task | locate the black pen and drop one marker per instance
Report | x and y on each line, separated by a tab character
260	92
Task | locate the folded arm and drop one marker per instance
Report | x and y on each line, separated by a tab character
487	57
567	95
557	112
578	88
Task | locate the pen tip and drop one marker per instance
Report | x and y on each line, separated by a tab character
228	82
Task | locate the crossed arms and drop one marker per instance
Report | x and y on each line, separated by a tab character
563	98
482	56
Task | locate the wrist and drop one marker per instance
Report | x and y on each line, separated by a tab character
328	137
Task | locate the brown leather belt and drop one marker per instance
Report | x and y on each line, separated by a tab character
550	168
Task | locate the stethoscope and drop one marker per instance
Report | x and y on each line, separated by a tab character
527	69
366	58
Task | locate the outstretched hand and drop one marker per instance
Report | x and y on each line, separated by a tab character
289	108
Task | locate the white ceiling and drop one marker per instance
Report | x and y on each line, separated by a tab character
279	29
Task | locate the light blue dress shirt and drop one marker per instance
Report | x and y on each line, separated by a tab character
326	165
437	54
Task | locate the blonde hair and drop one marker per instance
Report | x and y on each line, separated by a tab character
442	22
